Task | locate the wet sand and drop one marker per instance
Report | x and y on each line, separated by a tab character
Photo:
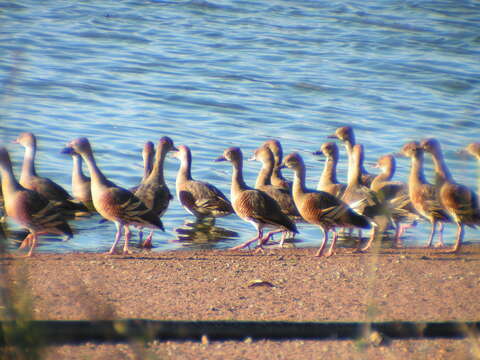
278	285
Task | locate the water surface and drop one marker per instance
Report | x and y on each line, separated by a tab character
214	74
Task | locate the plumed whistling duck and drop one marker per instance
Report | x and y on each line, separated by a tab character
44	186
321	208
29	208
422	194
153	191
328	180
254	206
460	202
113	202
345	134
277	179
199	198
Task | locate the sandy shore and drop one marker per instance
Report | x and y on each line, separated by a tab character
384	285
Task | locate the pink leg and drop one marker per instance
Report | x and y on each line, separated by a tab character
34	243
397	242
324	242
440	235
284	237
369	243
128	235
432	233
26	242
118	234
269	235
331	250
458	242
147	244
247	243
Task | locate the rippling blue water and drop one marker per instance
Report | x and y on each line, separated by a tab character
212	74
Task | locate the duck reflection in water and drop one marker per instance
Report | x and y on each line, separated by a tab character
203	232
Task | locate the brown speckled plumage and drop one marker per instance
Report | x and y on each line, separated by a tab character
345	134
460	202
199	198
113	202
253	205
281	195
357	194
422	194
29	208
277	179
44	186
328	180
153	190
319	207
395	195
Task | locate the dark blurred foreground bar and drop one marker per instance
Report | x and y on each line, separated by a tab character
124	330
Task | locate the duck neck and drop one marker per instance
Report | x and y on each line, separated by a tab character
147	167
77	173
264	175
157	171
238	184
8	182
442	173
298	187
96	175
276	174
355	170
28	166
184	173
417	177
349	149
329	173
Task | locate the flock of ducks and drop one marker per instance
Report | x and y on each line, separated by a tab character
367	201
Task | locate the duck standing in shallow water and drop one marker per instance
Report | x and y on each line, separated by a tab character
45	186
254	206
153	190
394	195
30	209
199	198
321	208
422	194
460	202
113	202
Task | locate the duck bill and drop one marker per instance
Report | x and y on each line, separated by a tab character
220	158
67	150
318	153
